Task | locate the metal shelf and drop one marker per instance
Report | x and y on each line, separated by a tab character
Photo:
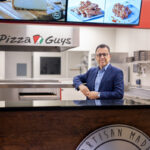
140	62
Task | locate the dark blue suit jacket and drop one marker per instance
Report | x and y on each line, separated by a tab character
112	83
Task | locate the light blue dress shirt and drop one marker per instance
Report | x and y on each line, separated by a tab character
98	80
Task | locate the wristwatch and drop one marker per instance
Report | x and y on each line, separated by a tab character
99	94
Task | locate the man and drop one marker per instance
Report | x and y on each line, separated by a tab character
105	82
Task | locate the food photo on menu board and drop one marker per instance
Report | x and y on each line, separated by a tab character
85	11
104	11
38	10
122	11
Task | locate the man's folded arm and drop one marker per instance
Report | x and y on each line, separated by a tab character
80	79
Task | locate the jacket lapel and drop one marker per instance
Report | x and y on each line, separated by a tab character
94	77
105	76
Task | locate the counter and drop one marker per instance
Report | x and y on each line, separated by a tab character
66	103
32	89
12	91
63	128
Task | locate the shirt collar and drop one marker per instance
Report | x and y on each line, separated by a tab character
105	68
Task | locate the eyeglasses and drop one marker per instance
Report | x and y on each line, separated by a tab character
102	54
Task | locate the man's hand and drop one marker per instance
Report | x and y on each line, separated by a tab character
92	95
84	89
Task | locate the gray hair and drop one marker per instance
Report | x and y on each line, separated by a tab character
102	46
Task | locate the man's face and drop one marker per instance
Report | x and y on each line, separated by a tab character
102	57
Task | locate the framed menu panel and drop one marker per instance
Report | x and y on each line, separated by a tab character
122	12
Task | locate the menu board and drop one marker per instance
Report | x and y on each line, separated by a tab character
104	11
124	12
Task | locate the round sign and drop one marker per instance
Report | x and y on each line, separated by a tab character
57	15
116	137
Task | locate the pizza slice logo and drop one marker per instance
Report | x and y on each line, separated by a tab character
37	39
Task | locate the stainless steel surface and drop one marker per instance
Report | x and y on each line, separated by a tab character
2	104
53	103
30	80
18	103
32	89
29	94
33	84
39	97
39	94
137	96
34	48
